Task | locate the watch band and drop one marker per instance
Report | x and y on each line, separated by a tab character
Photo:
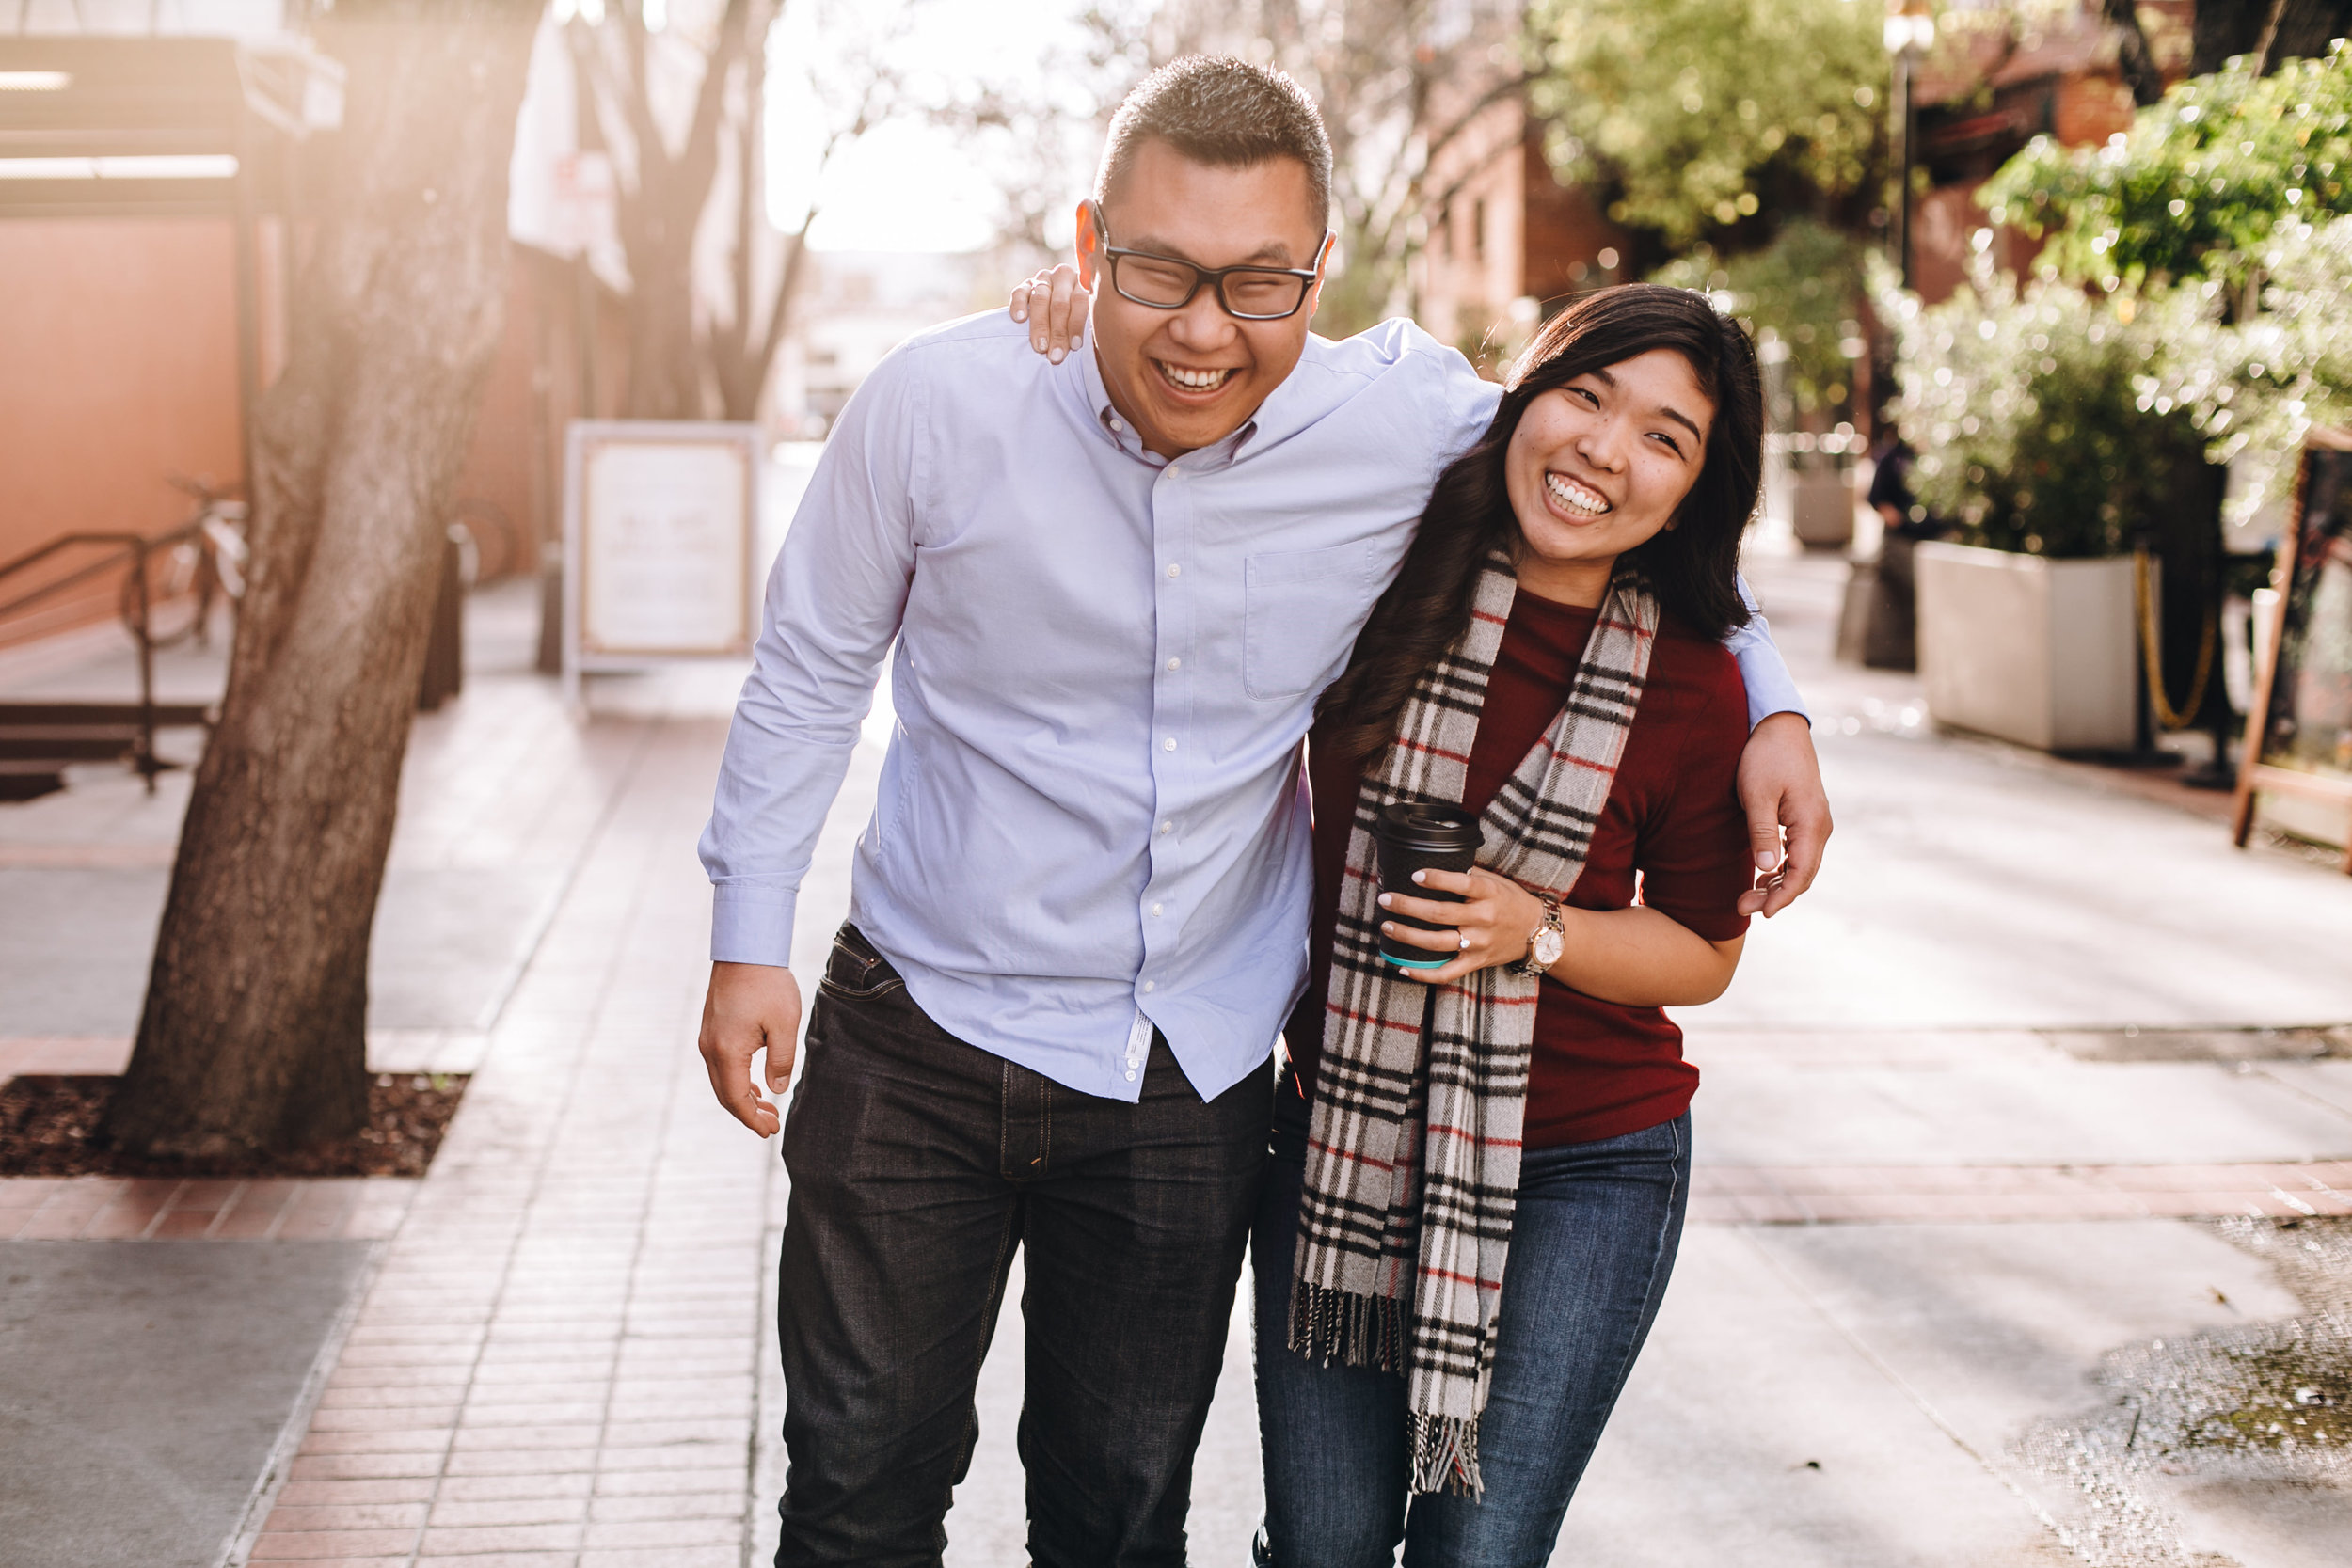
1527	967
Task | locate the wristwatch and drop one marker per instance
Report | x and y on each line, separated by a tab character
1545	943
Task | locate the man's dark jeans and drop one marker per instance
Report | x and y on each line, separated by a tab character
1592	1246
918	1164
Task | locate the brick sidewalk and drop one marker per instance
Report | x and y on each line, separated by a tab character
112	1208
556	1364
557	1359
107	1208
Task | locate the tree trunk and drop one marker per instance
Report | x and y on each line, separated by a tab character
665	372
2297	29
661	204
2133	56
742	353
253	1033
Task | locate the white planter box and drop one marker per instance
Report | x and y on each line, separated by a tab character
1823	507
2035	651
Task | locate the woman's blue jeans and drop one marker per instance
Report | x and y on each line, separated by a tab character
1592	1246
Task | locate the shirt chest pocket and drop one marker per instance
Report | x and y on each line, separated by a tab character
1300	609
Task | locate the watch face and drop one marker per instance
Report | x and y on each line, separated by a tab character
1547	946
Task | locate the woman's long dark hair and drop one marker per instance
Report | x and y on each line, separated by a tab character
1691	565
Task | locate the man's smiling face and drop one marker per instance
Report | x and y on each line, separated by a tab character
1189	377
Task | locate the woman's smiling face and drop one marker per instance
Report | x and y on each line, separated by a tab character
1600	465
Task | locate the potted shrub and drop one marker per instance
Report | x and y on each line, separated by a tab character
1820	486
1802	296
2202	257
2034	436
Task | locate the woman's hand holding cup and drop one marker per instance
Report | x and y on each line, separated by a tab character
1491	926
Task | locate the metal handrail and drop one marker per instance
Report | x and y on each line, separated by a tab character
127	546
138	610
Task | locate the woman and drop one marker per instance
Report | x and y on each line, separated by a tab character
1474	1202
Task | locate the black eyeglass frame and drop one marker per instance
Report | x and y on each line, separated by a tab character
1212	276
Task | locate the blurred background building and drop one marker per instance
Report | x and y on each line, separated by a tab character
862	304
128	363
123	371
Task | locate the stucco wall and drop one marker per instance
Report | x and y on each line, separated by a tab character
118	370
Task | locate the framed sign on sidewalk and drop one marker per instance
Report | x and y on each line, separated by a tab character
2298	733
660	526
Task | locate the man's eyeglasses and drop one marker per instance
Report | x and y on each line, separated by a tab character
1164	283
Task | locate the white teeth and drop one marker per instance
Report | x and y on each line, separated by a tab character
1192	380
1575	497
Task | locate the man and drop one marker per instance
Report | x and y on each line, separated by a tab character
1117	581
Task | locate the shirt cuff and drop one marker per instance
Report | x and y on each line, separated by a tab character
1771	690
752	924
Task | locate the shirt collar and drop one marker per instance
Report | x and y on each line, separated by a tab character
1290	408
1113	424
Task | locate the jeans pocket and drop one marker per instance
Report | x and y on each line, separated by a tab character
855	971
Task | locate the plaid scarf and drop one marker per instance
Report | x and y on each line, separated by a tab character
1413	1160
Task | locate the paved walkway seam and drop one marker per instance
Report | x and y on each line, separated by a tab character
239	1545
1919	1194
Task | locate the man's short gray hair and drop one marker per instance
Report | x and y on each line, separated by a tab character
1226	113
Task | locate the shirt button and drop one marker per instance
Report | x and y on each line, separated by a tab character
1155	909
1174	570
1175	664
1116	425
1149	985
1167	827
1131	1075
1168	745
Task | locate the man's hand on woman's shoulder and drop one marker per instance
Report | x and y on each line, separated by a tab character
1054	305
1780	788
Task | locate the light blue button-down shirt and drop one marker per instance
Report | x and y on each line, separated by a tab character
1091	820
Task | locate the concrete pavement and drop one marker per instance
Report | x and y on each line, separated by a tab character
137	1437
1910	1036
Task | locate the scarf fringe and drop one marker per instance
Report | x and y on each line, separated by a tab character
1341	1327
1445	1455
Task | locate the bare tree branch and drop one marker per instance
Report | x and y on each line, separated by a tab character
2132	55
2269	38
1400	83
697	162
747	167
636	102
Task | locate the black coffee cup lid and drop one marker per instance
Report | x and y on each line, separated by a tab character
1433	826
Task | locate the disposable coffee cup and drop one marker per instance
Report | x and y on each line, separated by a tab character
1412	838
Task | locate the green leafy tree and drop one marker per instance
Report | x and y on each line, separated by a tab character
2256	386
2199	183
1803	289
1696	115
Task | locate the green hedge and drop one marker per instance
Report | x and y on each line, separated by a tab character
2025	409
